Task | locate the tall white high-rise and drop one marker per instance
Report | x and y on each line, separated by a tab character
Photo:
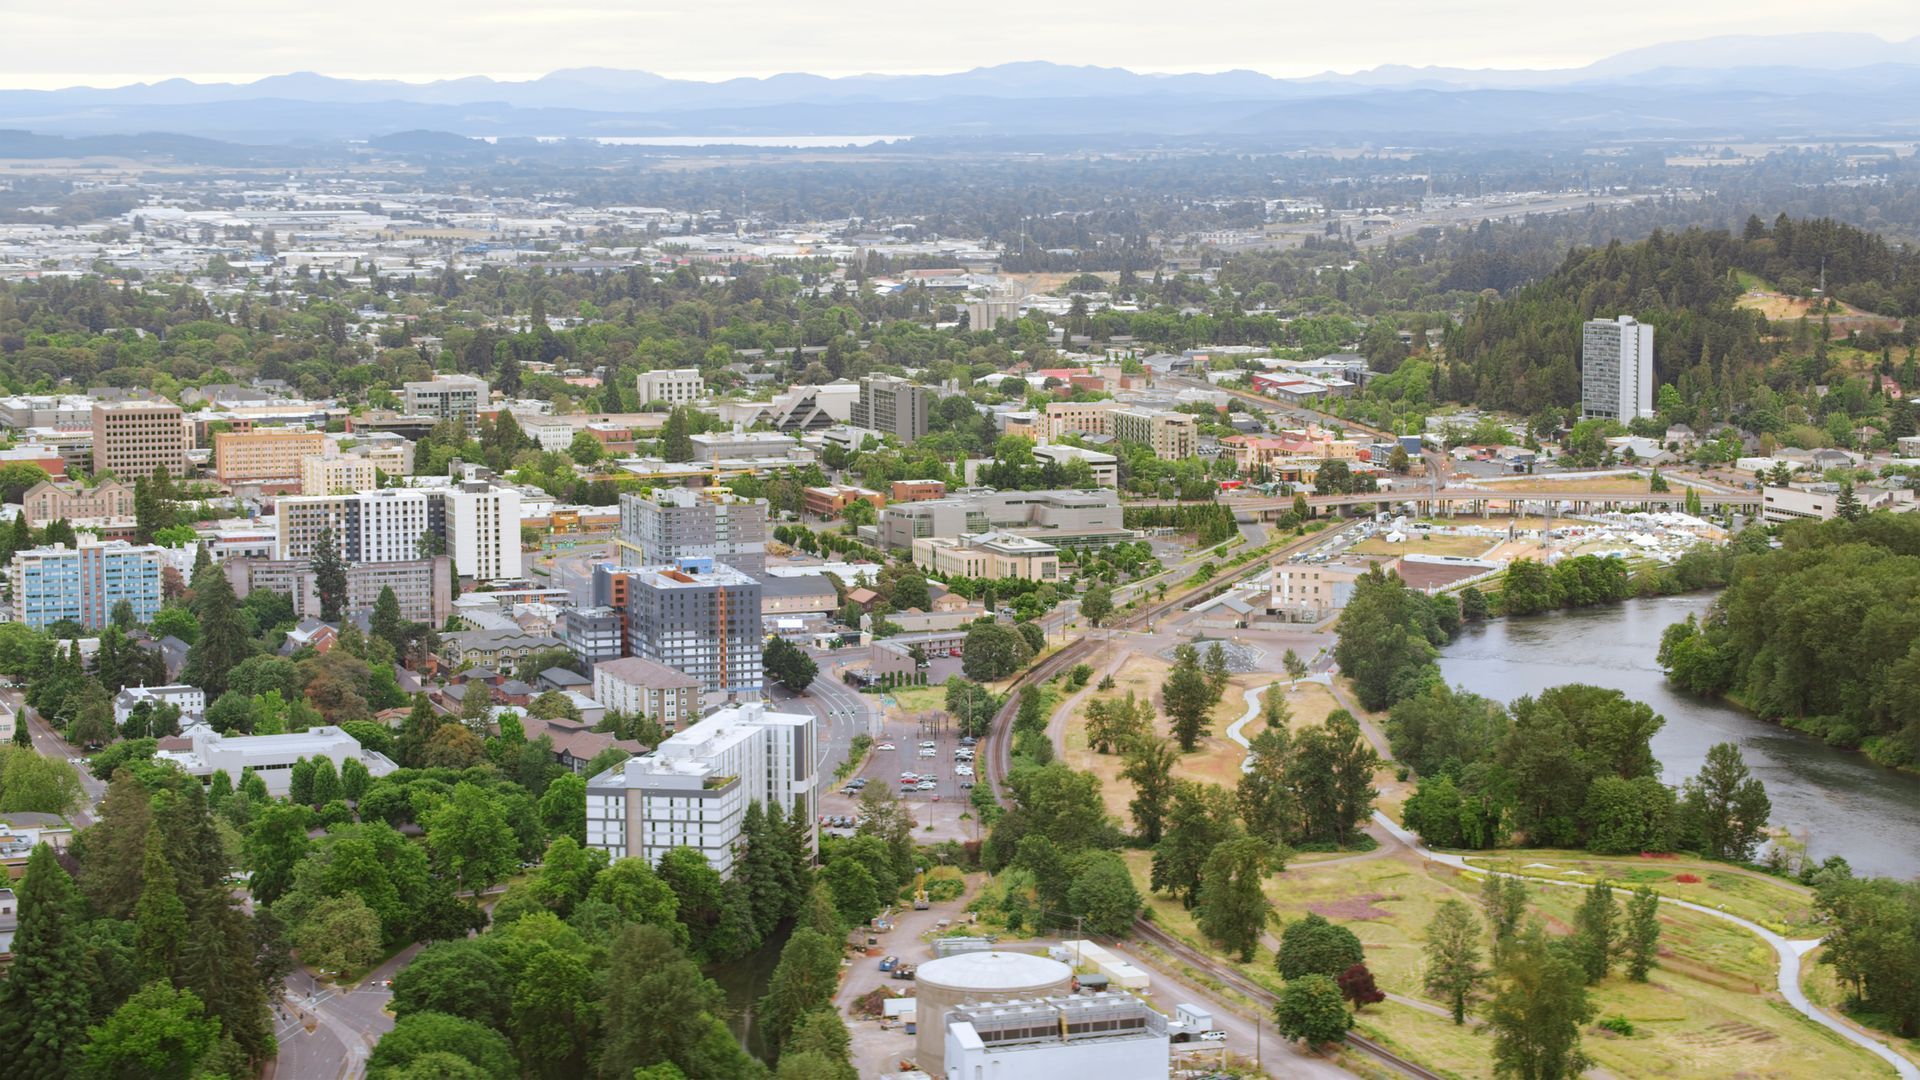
1616	370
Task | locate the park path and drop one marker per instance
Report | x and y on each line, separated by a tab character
1789	950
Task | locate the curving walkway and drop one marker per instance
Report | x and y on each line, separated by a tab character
1789	950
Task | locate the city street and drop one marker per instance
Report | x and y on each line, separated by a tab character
327	1033
48	743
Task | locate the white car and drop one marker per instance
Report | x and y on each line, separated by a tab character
926	752
1212	1036
925	785
962	770
884	746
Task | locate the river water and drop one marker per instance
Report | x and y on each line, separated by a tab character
1836	801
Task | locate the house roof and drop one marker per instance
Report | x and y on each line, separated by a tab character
640	671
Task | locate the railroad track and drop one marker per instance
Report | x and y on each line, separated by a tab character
1265	999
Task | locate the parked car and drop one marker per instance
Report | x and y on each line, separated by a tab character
962	770
968	741
889	963
966	785
884	746
905	971
925	785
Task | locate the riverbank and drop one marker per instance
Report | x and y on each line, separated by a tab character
1832	801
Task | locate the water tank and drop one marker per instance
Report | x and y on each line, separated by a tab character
976	976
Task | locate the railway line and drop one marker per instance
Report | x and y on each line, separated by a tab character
1265	999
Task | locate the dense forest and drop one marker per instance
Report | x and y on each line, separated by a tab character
1822	634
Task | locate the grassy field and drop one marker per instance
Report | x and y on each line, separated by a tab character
1778	905
1709	1011
1216	759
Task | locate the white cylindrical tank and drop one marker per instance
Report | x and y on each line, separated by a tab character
976	976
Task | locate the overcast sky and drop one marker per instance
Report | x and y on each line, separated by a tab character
51	43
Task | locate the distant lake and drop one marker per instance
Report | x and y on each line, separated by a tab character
1837	801
788	142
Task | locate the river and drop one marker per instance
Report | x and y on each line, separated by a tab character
1836	801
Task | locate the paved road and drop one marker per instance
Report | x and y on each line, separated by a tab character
326	1033
48	743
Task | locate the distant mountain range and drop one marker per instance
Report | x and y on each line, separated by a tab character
1732	86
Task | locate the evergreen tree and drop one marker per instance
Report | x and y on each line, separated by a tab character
804	980
676	438
1149	769
45	1002
329	571
388	624
1642	944
1726	806
224	640
416	732
1217	672
219	962
1596	941
1201	819
160	916
1187	698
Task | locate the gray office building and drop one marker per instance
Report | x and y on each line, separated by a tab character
699	617
665	525
893	406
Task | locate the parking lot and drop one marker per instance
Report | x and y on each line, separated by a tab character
936	797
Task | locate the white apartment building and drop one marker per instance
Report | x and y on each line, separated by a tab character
483	530
191	700
272	757
675	386
694	789
1616	369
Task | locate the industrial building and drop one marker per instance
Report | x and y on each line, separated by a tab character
1113	1036
974	979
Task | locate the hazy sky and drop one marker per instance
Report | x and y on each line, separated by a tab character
50	43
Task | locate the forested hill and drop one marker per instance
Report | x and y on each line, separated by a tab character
1521	352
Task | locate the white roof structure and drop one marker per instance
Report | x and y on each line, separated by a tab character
270	756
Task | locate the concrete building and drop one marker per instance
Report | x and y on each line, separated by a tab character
1780	505
988	555
424	587
595	634
813	408
271	757
1616	369
637	686
1309	592
694	789
984	315
700	618
1172	435
1061	518
449	397
264	455
972	979
475	522
1062	417
85	583
49	501
746	446
893	406
483	530
190	700
131	439
1110	1035
337	475
665	525
1105	466
675	386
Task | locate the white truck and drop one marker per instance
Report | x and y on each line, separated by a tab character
1191	1023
